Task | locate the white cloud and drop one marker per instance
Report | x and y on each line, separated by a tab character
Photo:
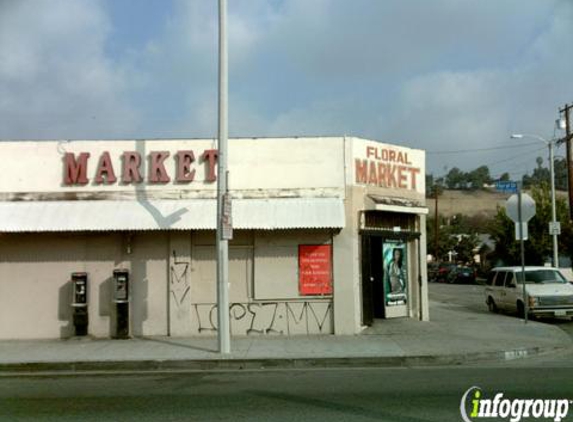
472	109
55	79
445	74
438	75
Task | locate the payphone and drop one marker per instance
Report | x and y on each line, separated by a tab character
121	299
80	303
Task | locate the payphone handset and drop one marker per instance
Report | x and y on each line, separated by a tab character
80	289
121	286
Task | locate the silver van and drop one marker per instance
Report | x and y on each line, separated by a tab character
548	291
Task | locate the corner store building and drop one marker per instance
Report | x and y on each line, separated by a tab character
314	219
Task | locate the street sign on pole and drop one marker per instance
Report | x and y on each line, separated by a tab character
227	223
527	208
554	228
523	232
521	208
507	186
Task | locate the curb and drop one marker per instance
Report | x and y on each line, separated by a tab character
192	365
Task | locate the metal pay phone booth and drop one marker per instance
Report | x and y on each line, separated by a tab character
80	303
121	300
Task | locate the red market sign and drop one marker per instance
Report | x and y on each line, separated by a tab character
315	269
76	169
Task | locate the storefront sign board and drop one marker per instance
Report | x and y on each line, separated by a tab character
315	269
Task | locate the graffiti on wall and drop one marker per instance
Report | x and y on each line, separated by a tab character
268	317
179	284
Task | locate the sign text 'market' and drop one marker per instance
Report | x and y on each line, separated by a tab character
76	167
387	168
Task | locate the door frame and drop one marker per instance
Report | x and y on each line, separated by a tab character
367	285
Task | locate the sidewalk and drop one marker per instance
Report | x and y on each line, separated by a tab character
455	335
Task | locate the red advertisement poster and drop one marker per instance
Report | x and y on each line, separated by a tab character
315	269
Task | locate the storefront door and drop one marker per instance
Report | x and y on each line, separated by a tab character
384	278
367	282
372	279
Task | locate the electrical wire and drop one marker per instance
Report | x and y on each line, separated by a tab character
528	153
514	164
464	151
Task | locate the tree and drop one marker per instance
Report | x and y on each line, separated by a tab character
538	248
446	241
434	186
456	179
429	183
455	234
465	247
504	177
561	174
479	177
540	175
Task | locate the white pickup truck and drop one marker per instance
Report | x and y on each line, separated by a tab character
548	292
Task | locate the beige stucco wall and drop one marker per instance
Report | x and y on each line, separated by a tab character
348	270
35	292
173	272
263	284
149	268
347	253
258	167
172	282
411	166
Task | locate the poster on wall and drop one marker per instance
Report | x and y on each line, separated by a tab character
315	270
395	273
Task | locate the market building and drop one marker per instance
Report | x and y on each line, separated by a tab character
117	238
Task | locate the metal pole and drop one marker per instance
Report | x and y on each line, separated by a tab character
568	143
224	332
553	210
520	218
436	224
553	231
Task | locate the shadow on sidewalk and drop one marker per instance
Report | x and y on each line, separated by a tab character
180	343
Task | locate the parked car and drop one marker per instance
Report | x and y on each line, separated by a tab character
432	271
461	274
548	291
443	271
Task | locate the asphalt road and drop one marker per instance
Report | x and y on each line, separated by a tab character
408	395
360	394
471	297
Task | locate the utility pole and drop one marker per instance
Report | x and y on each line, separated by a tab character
436	222
224	330
522	254
554	231
568	142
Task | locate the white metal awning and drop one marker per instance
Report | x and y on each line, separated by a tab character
402	209
398	205
192	214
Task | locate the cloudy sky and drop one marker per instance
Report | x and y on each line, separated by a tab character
442	75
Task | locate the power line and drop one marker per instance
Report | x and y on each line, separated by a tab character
519	172
526	153
514	164
515	156
463	151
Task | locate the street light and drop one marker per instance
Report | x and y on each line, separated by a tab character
554	229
